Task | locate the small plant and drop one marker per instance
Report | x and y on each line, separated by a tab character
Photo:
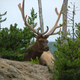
36	61
49	69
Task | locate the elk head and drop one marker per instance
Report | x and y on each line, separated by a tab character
41	42
41	38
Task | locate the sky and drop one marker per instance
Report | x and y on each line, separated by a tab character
48	10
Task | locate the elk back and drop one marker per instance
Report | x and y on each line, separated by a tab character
46	58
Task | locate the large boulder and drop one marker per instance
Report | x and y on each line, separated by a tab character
16	70
47	58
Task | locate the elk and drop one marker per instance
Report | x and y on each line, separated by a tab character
41	38
46	59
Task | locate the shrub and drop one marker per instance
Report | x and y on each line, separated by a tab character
14	41
67	61
36	61
67	58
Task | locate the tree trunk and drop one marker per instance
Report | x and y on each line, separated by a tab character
64	29
40	16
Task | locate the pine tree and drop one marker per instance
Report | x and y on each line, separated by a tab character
14	41
67	58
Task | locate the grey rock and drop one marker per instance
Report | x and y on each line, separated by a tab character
1	77
15	70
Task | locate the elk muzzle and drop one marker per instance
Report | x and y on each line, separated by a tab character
46	48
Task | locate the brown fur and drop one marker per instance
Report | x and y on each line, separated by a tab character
47	58
36	49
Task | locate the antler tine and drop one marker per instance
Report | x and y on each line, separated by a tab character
24	18
43	32
51	32
26	23
56	32
56	11
46	30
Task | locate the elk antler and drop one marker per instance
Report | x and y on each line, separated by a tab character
51	32
26	23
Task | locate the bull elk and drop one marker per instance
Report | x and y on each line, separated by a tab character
41	38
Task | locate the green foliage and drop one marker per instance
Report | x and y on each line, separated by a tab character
32	18
67	60
49	69
12	55
14	41
77	30
36	61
